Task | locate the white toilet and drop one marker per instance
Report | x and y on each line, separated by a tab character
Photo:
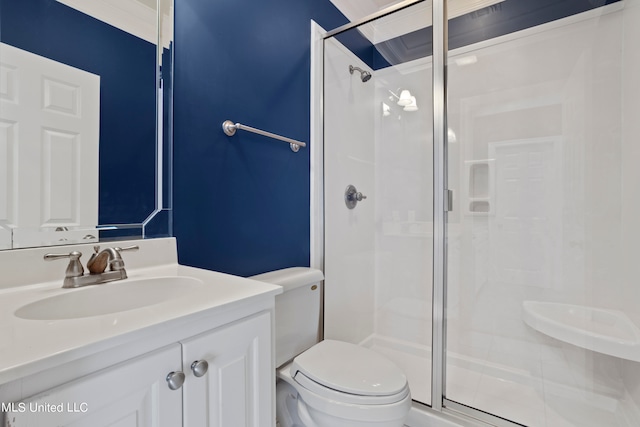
328	383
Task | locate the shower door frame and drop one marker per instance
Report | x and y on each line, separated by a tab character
317	225
442	199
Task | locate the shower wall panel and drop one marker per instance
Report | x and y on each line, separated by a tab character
349	157
557	155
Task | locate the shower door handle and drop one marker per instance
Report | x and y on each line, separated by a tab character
352	196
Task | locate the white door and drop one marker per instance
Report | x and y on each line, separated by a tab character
237	389
49	132
132	394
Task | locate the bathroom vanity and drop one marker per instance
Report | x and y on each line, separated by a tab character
169	346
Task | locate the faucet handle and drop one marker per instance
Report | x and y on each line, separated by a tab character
118	263
74	269
75	255
128	248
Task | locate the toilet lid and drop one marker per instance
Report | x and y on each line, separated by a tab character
350	369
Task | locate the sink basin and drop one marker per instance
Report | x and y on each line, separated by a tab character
108	298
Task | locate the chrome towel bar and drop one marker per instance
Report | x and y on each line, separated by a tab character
230	129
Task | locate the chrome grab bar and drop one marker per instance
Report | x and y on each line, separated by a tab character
230	128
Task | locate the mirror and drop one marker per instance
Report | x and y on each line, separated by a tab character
85	108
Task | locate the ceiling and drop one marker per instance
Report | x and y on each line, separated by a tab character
357	9
136	17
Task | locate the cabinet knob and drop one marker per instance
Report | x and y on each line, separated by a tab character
199	367
175	380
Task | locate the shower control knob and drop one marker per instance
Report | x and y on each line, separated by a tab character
175	380
352	197
199	367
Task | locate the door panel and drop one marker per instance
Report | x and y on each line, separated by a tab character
239	378
49	116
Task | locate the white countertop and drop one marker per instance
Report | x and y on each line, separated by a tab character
31	346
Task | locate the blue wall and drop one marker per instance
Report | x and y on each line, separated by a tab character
126	66
241	204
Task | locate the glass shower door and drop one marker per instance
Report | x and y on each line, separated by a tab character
378	139
542	301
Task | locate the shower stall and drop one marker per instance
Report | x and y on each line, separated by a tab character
476	180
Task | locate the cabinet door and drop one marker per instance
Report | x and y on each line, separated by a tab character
132	394
237	389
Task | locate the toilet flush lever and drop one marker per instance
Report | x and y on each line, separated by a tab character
352	196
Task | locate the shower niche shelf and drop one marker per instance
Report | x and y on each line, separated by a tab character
479	187
604	331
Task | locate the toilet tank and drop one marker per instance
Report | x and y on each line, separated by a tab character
297	321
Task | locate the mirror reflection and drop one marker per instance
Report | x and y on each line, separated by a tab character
78	120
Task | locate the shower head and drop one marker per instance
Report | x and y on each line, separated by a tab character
365	76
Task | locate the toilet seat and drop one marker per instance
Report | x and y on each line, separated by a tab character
338	396
349	373
323	402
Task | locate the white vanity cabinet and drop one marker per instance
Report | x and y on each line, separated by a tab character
236	389
130	394
110	368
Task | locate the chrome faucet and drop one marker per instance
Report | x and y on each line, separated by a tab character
97	266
